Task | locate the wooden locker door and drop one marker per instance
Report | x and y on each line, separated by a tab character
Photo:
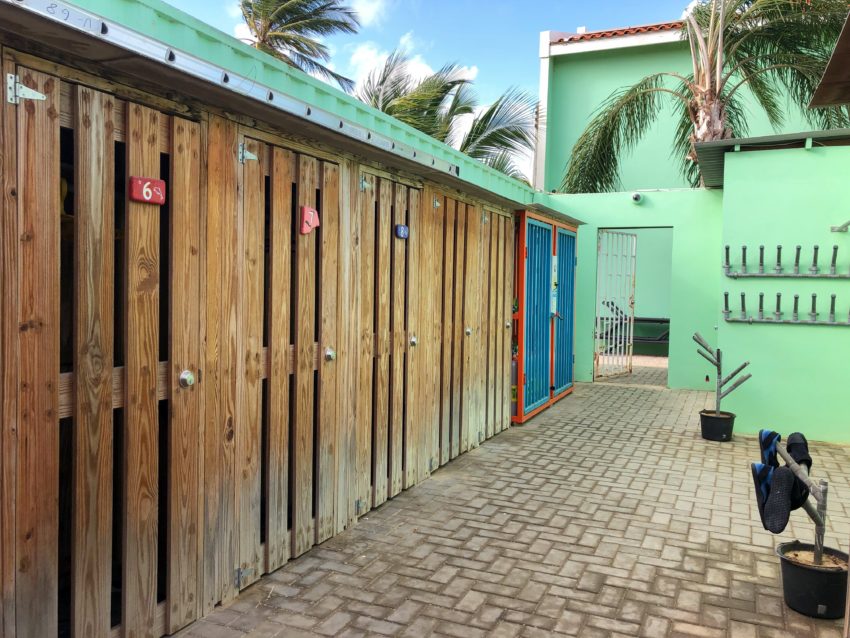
250	372
31	427
472	406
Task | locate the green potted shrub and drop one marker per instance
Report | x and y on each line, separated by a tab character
717	425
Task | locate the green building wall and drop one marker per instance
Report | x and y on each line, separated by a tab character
580	82
800	373
786	197
693	218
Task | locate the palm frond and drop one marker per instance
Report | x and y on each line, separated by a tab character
504	162
616	128
291	30
507	124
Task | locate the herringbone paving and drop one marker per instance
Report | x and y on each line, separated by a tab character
607	515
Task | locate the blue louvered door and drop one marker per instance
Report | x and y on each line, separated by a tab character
538	287
565	250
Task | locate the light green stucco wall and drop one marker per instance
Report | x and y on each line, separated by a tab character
771	197
578	85
694	217
800	373
653	272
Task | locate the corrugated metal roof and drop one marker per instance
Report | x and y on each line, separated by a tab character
615	33
710	155
834	87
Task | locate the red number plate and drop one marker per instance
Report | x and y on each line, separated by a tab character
148	190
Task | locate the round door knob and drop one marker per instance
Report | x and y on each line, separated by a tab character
413	340
468	331
330	354
508	325
186	379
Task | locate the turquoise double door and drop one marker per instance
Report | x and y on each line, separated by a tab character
549	312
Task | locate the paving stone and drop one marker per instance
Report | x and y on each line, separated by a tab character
606	515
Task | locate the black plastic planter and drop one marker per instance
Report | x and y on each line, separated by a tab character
813	590
716	427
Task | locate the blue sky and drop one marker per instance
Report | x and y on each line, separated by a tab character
497	40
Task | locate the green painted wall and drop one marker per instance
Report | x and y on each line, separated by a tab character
579	83
694	221
800	373
653	271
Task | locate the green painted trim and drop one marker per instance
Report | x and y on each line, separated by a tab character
180	31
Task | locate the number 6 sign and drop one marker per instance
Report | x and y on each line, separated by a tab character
147	190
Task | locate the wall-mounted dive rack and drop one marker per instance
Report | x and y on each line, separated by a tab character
779	271
810	318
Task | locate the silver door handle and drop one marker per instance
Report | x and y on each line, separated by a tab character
330	354
468	331
186	379
413	340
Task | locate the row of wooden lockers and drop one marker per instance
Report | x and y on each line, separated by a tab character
215	385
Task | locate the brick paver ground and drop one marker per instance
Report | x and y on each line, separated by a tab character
608	515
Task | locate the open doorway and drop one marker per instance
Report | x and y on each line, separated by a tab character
632	333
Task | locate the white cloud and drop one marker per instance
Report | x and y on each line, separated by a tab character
233	10
370	12
242	32
368	56
693	4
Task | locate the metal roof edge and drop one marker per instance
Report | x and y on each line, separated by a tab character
183	35
710	155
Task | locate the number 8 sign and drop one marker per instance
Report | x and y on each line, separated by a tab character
147	190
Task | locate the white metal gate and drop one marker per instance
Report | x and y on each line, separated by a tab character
615	303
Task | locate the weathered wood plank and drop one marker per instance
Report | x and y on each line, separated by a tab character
412	367
364	279
510	257
381	396
447	316
435	340
303	530
141	431
249	431
219	384
347	318
277	460
425	377
430	442
184	515
499	326
94	223
476	235
398	290
458	337
491	386
328	368
9	246
38	328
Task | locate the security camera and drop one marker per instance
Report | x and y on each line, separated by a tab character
637	198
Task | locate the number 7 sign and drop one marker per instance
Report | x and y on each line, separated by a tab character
147	190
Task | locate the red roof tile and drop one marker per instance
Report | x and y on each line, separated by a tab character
614	33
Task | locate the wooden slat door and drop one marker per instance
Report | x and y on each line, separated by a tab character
37	347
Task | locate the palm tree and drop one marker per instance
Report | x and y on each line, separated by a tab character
291	30
444	106
777	49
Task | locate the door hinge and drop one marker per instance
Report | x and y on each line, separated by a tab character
245	154
239	574
15	91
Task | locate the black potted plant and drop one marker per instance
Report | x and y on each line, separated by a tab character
814	577
715	424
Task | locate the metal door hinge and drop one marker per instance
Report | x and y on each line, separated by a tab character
239	574
245	154
15	91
